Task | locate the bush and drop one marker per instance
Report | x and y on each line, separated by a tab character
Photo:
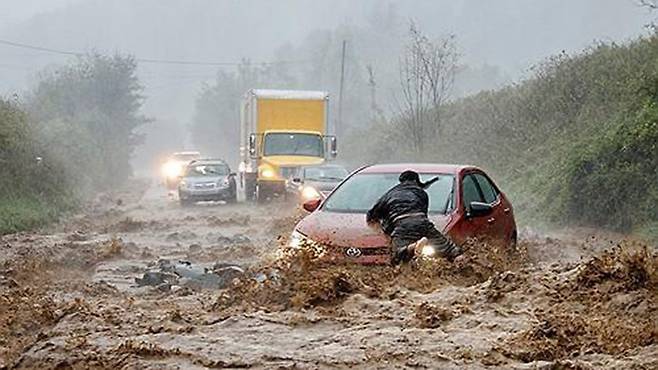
73	137
612	181
18	214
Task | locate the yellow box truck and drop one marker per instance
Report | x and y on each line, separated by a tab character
280	131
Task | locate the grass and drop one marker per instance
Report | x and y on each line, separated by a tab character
20	213
648	231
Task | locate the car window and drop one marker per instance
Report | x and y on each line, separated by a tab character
361	191
489	192
440	193
207	170
470	191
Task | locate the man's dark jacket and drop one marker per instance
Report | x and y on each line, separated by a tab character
402	212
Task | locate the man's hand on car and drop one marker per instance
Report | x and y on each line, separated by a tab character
374	225
415	249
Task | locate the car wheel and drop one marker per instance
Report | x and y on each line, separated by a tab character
259	194
513	242
250	191
233	193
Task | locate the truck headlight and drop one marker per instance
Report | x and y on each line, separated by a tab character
267	173
309	192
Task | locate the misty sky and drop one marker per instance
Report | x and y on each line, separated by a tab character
15	11
511	35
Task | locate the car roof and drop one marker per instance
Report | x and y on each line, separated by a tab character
208	161
418	167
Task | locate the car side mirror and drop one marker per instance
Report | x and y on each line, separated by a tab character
312	204
333	147
478	209
330	146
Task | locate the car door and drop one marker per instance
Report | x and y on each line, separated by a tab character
469	227
497	219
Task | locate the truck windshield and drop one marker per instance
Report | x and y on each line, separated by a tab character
293	144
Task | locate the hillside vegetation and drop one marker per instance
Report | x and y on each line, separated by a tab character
575	144
71	138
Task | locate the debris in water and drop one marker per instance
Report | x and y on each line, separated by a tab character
184	273
431	316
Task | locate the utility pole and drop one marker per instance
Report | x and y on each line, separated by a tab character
339	123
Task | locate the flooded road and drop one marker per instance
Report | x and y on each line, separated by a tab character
75	297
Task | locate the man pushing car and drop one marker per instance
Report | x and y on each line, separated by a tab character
402	213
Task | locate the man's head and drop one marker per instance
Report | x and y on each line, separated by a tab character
410	176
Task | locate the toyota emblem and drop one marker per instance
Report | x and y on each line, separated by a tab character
353	252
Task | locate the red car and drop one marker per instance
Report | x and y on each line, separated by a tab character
464	203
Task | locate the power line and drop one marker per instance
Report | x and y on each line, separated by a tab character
38	48
147	60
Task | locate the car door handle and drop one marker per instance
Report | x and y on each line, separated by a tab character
506	210
491	220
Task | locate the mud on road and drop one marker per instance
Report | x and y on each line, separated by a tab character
70	298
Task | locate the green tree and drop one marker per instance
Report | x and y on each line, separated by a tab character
86	114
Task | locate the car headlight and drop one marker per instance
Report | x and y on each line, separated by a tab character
309	192
300	241
428	251
297	239
172	169
223	183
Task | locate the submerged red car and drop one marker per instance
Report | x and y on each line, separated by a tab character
464	203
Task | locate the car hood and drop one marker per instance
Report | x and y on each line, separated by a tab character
349	229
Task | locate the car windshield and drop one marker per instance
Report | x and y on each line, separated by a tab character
206	170
325	173
360	192
293	144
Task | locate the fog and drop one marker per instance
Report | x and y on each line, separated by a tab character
498	40
172	197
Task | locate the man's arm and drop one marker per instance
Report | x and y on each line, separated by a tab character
375	214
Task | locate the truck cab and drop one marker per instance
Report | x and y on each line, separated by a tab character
281	131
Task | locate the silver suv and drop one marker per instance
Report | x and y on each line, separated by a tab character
207	180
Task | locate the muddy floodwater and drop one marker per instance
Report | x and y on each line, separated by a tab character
131	283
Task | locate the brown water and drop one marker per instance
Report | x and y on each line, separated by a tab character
69	298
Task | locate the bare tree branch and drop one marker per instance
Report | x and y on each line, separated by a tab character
427	72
